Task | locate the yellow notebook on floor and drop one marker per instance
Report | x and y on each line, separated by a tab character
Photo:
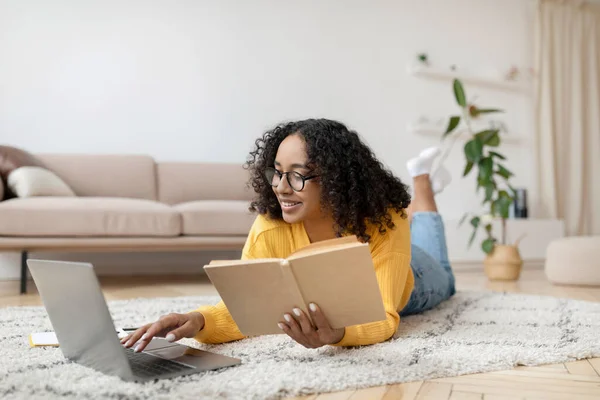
40	339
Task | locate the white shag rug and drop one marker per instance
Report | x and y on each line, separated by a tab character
472	332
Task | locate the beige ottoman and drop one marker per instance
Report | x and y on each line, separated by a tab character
574	261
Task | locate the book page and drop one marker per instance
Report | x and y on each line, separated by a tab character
343	283
243	262
324	245
257	293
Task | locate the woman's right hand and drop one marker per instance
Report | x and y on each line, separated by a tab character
172	327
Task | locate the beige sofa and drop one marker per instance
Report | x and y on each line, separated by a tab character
130	203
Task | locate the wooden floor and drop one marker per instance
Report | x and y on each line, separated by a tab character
574	380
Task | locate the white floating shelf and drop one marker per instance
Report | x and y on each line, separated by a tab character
463	134
441	74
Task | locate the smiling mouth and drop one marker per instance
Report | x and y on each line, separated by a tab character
287	204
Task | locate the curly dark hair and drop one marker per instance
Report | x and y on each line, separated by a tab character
355	187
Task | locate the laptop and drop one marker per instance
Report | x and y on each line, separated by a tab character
86	333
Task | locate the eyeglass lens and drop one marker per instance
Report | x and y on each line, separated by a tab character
294	178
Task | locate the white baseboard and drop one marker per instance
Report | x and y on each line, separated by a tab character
478	266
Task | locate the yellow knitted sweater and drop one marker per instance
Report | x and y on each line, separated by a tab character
278	239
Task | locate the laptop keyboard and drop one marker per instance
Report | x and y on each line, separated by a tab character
145	365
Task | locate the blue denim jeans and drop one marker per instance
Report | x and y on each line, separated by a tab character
434	280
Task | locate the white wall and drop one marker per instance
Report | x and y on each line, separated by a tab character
200	80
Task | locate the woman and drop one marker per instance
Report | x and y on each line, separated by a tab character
316	180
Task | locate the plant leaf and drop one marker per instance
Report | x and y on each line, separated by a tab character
504	194
483	135
487	245
474	150
489	137
503	172
494	140
489	192
486	168
459	93
489	110
503	204
463	218
475	222
488	229
468	168
452	124
494	208
481	183
472	238
494	154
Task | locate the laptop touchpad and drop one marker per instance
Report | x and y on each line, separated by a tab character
158	343
189	355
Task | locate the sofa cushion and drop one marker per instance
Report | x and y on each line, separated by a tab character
87	216
209	217
105	175
180	182
37	181
12	158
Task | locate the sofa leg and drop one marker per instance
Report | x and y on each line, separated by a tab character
24	272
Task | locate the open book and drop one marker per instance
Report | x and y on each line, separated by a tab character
338	275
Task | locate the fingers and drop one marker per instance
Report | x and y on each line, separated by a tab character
144	335
327	334
299	328
295	332
162	326
291	324
303	321
124	339
132	338
186	330
319	318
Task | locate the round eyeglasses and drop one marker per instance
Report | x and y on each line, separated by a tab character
295	179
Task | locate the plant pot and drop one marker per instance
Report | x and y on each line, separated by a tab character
503	263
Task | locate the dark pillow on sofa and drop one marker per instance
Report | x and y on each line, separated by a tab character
12	158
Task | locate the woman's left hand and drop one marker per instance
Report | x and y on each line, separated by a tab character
297	325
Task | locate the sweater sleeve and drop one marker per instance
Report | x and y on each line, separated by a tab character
219	326
392	271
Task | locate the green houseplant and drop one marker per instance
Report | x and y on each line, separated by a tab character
485	163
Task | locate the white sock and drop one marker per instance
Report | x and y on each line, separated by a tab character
422	164
440	179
